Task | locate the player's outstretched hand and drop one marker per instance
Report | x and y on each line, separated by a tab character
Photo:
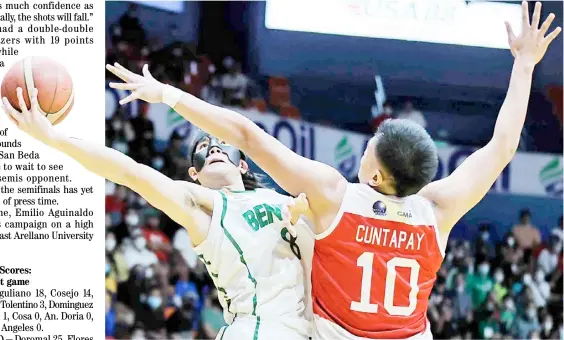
30	120
530	46
143	87
294	209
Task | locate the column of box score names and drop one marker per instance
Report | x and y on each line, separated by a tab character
28	313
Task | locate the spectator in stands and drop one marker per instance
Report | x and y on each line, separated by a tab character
157	241
142	146
175	161
152	316
180	325
130	28
526	234
548	257
462	302
409	112
234	85
539	288
499	287
548	331
116	258
386	113
484	248
110	316
183	286
526	323
480	284
507	315
212	316
136	252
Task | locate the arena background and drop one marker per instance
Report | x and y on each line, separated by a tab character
322	89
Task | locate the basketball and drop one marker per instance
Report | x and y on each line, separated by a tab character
52	80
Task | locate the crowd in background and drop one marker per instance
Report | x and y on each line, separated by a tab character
157	288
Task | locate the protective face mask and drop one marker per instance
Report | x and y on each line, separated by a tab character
484	269
154	301
498	277
132	220
511	241
539	276
140	243
110	244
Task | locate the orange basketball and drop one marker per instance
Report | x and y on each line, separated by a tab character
54	86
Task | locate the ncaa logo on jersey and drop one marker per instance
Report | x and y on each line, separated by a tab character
379	208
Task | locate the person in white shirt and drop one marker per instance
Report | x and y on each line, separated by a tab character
548	257
234	85
136	252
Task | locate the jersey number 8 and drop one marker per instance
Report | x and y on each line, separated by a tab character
365	261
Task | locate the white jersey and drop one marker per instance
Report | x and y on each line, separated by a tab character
255	263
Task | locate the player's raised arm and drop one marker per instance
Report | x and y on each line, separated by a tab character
179	200
469	183
323	185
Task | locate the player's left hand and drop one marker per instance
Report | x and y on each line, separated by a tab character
530	46
293	210
143	87
30	120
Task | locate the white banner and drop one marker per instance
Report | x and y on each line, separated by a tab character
457	22
528	174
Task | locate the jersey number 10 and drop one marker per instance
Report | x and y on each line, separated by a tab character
365	261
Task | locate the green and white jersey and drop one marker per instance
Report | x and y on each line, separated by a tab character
252	258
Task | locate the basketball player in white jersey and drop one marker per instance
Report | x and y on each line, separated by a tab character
238	229
379	243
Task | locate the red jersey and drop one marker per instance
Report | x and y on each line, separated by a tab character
374	268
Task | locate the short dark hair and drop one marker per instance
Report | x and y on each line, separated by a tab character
525	213
407	151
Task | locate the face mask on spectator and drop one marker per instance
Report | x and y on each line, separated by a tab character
110	244
154	301
498	276
142	202
117	125
108	268
510	241
557	247
121	147
132	220
514	268
510	305
485	236
138	335
531	313
140	243
460	288
158	163
527	279
149	273
484	268
539	276
547	325
449	257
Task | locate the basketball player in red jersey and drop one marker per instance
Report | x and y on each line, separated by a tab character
380	243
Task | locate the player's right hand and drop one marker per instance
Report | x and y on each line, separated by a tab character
143	87
30	121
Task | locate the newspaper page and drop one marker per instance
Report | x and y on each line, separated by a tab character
281	170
